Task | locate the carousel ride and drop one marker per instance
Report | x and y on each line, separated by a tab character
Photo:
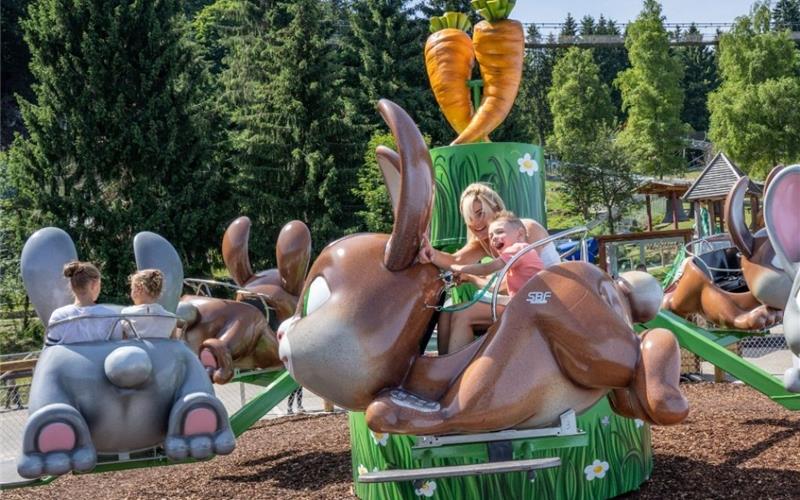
555	399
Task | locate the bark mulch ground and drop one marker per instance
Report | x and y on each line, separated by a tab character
736	443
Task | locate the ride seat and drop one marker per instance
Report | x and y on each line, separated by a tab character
723	266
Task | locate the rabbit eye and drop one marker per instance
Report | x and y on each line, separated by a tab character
317	294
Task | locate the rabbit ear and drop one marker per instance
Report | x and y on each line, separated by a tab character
152	251
235	248
413	212
294	252
42	264
389	161
782	217
734	218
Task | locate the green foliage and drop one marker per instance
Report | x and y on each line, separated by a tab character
15	77
378	216
754	113
581	107
786	15
214	26
700	78
530	119
120	140
610	60
286	135
431	8
580	104
651	94
385	45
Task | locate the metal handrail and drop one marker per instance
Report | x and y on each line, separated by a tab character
120	318
518	255
709	242
197	284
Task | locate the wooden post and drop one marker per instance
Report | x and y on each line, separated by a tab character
698	219
754	209
674	200
712	218
649	213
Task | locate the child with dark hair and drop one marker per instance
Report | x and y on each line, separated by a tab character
85	284
147	317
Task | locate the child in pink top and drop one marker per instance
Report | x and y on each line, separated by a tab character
507	236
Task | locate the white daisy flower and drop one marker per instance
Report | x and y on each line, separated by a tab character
426	489
597	470
379	438
528	165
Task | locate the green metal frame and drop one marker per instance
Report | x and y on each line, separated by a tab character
711	346
278	385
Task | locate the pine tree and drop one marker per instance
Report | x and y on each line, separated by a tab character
570	27
754	114
587	26
699	79
289	138
611	60
786	15
15	78
120	139
651	94
387	38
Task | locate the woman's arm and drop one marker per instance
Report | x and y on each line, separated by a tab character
468	254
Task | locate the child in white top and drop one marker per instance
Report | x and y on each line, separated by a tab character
146	288
85	284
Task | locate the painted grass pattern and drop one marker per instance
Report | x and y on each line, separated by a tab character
613	440
498	164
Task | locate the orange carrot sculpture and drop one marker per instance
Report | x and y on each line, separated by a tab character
499	45
449	60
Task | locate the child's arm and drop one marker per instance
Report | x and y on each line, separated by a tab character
479	269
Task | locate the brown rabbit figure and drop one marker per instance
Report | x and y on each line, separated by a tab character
229	334
757	307
565	340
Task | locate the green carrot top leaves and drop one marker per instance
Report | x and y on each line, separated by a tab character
455	20
494	10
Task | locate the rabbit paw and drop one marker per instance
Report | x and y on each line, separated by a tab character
791	379
198	428
56	440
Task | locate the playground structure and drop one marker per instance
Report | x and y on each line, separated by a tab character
559	391
170	423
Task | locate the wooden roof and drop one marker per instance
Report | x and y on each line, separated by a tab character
664	187
716	181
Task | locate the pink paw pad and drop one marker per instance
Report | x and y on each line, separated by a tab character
208	359
200	421
57	436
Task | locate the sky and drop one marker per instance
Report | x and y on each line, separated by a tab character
622	11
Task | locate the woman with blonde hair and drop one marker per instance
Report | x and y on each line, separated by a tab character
146	316
479	204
